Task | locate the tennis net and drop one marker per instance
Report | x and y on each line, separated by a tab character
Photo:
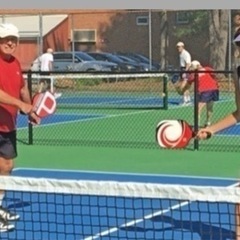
53	209
98	90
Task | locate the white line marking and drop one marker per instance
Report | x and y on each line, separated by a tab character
127	174
150	216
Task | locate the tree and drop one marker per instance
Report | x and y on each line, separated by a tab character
163	39
218	37
217	22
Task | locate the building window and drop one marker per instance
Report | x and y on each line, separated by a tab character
142	20
84	35
182	17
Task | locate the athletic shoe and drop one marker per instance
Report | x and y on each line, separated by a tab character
57	95
186	103
7	215
5	226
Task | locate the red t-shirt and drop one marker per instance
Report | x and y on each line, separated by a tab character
11	82
206	81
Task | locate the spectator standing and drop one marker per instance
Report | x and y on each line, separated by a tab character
184	63
46	61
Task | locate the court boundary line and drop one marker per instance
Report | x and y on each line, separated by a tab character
127	173
90	119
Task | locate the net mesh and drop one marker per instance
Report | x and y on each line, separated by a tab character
79	209
118	91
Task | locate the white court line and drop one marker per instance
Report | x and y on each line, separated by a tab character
90	119
150	216
127	173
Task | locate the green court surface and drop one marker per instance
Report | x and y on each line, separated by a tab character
155	161
102	143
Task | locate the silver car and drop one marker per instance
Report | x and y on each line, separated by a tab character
77	61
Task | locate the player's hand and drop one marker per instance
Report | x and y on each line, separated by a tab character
25	108
204	134
34	119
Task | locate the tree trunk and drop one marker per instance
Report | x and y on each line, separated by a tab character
218	38
163	40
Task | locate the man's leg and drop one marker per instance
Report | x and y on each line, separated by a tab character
186	97
8	151
201	105
6	166
209	112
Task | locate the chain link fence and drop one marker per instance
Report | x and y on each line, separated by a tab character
98	109
123	110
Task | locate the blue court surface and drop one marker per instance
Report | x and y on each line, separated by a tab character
127	100
121	101
58	217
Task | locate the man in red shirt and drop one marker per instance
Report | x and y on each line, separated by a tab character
208	91
14	96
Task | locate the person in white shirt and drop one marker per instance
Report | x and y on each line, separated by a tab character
46	61
185	63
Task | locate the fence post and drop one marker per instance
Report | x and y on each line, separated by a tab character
30	127
196	142
165	92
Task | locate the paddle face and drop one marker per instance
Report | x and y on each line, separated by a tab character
44	104
173	134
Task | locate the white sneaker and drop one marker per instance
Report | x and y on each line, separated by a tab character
57	95
5	226
186	104
6	215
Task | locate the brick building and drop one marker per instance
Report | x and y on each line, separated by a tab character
99	30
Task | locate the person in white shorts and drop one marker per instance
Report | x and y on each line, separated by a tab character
185	63
46	61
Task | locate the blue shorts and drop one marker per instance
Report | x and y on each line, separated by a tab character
8	145
209	96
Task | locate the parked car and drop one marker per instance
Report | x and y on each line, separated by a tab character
77	61
143	66
109	57
143	59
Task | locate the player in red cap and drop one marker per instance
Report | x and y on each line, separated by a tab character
208	92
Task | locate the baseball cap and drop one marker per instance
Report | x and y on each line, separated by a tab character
180	44
8	29
195	64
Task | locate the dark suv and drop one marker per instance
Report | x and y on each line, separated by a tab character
77	61
122	65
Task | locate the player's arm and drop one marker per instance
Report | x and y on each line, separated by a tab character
5	98
50	63
25	97
230	119
24	93
183	84
50	66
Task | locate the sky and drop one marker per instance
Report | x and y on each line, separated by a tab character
120	4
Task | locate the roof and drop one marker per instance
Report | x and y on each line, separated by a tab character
29	26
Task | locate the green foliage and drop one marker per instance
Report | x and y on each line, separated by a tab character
198	21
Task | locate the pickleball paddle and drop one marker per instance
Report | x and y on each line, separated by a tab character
44	104
175	133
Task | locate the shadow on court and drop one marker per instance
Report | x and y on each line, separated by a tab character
205	231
